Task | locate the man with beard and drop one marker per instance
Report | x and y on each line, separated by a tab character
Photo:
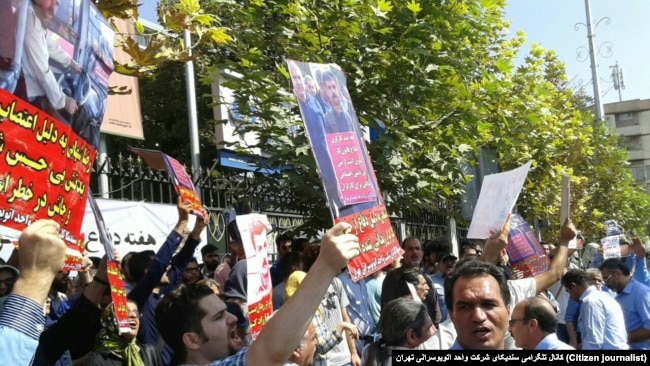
412	258
195	323
210	257
57	294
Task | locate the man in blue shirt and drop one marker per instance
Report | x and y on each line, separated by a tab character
359	309
41	256
634	299
600	318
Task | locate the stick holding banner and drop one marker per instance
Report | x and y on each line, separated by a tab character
115	279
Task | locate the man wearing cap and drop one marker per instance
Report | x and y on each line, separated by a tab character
446	266
8	276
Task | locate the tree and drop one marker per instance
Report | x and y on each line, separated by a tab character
167	45
441	77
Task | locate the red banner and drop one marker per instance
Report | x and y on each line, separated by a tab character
379	245
44	170
118	296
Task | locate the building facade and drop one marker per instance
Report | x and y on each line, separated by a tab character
631	119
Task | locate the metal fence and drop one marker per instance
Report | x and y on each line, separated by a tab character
130	179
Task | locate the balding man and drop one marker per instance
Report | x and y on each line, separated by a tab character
304	354
533	325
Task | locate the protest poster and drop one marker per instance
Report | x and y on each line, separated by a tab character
614	243
253	229
525	252
115	279
44	172
60	62
347	173
181	181
499	193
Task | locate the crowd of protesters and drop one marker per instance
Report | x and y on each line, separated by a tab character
437	297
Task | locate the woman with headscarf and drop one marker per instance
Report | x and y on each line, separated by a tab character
117	349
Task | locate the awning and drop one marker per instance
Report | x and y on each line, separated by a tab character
231	159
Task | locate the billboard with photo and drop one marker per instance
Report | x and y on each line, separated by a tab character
58	57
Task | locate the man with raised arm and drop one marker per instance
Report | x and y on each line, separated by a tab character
42	253
195	323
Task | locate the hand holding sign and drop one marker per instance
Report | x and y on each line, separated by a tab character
567	232
638	248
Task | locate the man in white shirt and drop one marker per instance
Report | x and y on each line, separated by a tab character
43	89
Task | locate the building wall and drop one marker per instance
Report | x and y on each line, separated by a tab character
631	119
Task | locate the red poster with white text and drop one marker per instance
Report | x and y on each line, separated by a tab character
44	171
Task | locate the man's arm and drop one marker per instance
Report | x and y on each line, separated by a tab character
154	273
556	269
77	328
285	330
180	260
496	243
643	309
42	253
354	356
641	269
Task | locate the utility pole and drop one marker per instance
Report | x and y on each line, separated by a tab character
191	112
617	78
598	104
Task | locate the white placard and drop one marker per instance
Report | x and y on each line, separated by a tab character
499	193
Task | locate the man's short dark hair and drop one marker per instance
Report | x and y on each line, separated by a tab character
309	255
178	313
288	263
299	244
472	269
409	275
408	239
439	245
95	261
139	263
612	264
209	249
538	308
575	276
281	239
466	244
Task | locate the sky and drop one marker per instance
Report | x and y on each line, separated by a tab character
550	23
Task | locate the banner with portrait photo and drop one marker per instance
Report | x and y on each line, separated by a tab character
44	171
524	250
59	59
253	229
346	170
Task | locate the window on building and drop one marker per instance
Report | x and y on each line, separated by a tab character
626	120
